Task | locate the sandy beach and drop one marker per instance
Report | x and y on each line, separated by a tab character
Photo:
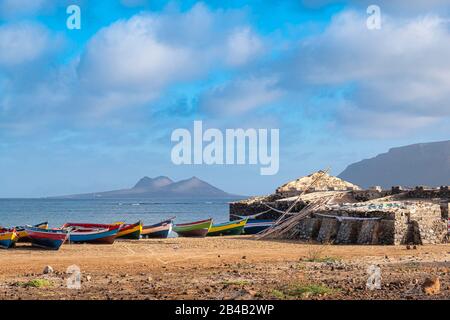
223	268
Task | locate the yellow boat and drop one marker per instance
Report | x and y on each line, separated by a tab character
227	228
8	238
22	235
130	231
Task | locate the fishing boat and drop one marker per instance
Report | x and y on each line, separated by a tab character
8	238
227	228
130	231
158	230
22	234
92	225
193	229
46	238
254	226
89	233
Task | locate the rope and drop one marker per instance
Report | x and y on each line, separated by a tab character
281	223
340	218
253	216
279	211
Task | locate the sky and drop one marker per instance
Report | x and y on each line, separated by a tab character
93	109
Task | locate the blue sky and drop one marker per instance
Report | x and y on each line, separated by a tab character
93	109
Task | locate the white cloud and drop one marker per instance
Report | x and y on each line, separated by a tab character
133	61
13	8
22	43
240	96
242	45
390	7
402	69
127	57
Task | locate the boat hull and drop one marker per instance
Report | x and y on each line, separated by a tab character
47	239
195	229
198	233
254	226
102	236
160	230
23	235
227	229
8	239
131	231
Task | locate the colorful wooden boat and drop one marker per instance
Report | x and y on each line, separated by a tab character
158	230
88	233
8	238
130	231
47	238
22	234
193	229
254	226
92	225
227	228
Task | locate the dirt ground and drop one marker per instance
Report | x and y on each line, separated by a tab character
224	268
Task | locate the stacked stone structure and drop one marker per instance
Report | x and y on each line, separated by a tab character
385	217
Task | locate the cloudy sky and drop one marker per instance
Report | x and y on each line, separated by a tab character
93	109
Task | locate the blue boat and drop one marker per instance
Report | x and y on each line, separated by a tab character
8	238
93	235
254	226
46	238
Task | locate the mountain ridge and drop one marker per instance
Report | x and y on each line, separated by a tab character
425	164
159	187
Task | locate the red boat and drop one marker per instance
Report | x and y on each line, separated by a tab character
92	225
46	238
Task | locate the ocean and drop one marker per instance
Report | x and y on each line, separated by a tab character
16	212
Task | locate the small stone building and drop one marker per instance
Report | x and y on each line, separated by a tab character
355	216
385	223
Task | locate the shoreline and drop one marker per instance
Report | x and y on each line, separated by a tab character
223	268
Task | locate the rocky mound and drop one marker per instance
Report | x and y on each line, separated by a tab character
326	183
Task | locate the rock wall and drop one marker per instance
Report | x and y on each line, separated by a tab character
445	209
348	232
423	224
238	209
345	229
423	193
420	218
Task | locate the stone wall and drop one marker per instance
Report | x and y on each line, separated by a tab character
244	209
423	224
444	209
420	223
424	193
345	229
367	195
421	218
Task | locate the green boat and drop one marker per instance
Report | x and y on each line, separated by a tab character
227	228
193	229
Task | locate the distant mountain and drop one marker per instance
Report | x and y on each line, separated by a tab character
149	183
426	164
160	187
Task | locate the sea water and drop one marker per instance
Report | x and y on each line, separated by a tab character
16	212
